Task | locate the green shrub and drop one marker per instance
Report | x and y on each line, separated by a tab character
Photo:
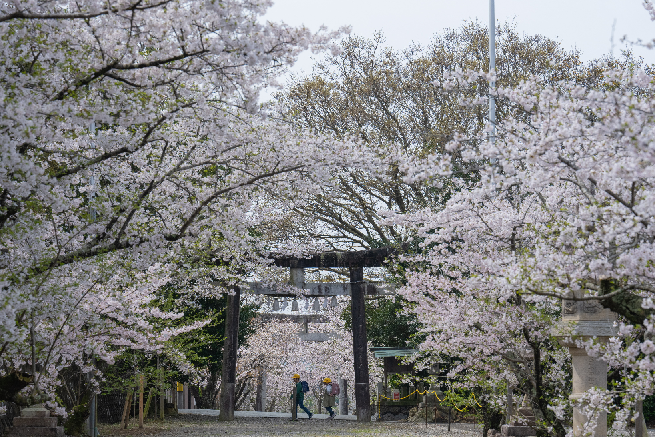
75	424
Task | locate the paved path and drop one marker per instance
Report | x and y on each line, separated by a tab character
245	425
265	414
195	425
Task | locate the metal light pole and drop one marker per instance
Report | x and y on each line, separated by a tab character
492	67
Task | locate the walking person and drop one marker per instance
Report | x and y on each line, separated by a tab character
328	396
300	395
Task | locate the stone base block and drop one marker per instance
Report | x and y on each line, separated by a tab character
526	421
28	431
34	412
48	422
519	431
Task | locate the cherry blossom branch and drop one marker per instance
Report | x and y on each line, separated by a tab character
19	320
586	298
593	181
80	15
92	250
123	150
63	324
220	192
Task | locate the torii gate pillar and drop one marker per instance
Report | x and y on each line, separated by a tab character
360	346
230	347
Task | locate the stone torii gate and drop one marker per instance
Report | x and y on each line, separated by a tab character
356	288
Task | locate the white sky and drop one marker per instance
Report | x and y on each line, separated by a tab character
585	24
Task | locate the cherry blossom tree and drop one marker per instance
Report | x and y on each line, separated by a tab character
133	153
559	205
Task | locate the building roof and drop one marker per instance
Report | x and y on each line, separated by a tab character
382	352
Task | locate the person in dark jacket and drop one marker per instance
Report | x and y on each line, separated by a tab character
300	396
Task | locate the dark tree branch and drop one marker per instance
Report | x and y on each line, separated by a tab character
77	16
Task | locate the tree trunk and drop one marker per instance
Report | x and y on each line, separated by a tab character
640	422
126	410
536	394
209	392
491	418
242	392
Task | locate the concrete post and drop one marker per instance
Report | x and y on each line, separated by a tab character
379	399
260	395
588	372
510	403
230	346
360	346
583	320
294	400
404	390
343	397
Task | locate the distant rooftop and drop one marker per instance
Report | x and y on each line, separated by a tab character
382	352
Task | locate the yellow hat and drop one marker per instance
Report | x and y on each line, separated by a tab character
295	375
327	380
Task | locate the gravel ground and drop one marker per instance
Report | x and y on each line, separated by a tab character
205	426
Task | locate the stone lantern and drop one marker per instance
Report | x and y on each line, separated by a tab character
583	320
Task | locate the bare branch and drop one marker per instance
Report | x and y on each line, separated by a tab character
22	15
585	298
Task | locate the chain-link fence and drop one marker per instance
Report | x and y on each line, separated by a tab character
110	407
